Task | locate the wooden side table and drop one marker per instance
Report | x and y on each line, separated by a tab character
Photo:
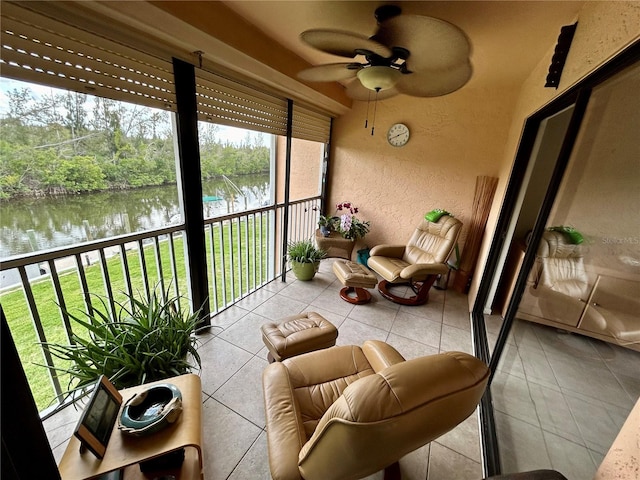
127	451
335	245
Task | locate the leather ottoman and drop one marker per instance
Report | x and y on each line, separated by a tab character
298	334
355	278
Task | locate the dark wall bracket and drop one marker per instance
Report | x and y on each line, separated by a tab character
560	55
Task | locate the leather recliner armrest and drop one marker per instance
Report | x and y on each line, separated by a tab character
285	435
388	250
381	355
423	269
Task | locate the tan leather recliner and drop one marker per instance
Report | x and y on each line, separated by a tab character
563	287
419	262
347	412
561	281
562	265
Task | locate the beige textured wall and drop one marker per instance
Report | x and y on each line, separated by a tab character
454	139
306	165
604	28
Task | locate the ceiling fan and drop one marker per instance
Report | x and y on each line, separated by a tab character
411	54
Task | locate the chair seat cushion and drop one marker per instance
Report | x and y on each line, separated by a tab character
388	268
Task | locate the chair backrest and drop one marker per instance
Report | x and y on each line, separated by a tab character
433	242
382	417
562	265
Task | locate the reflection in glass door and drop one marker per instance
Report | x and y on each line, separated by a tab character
570	371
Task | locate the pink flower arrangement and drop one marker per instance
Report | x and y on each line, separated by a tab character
347	206
350	226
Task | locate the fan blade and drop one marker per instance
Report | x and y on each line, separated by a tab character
432	43
357	91
342	43
434	82
331	72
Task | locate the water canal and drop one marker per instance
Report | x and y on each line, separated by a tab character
33	224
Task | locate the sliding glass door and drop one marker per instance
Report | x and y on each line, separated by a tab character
563	283
570	370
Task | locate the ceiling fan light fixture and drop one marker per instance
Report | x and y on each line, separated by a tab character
379	78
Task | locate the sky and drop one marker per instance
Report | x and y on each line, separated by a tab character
7	84
231	134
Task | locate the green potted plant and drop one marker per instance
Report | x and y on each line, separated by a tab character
328	224
151	339
305	258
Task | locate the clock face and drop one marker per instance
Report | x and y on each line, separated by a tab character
398	135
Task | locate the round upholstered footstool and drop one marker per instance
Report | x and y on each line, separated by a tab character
355	278
298	334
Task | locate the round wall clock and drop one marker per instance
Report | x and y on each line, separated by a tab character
398	135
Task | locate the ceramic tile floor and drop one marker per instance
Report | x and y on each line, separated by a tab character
560	399
233	358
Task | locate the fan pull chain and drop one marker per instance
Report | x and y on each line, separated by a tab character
366	120
375	109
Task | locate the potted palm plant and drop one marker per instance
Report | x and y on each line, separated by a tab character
305	258
151	339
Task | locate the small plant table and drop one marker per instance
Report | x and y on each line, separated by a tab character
335	245
127	451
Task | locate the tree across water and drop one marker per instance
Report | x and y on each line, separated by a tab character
67	142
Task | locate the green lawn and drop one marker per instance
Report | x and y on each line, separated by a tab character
245	260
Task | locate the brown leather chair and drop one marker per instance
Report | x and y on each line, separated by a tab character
347	412
419	262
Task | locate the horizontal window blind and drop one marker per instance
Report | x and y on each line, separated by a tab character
42	50
310	124
228	102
